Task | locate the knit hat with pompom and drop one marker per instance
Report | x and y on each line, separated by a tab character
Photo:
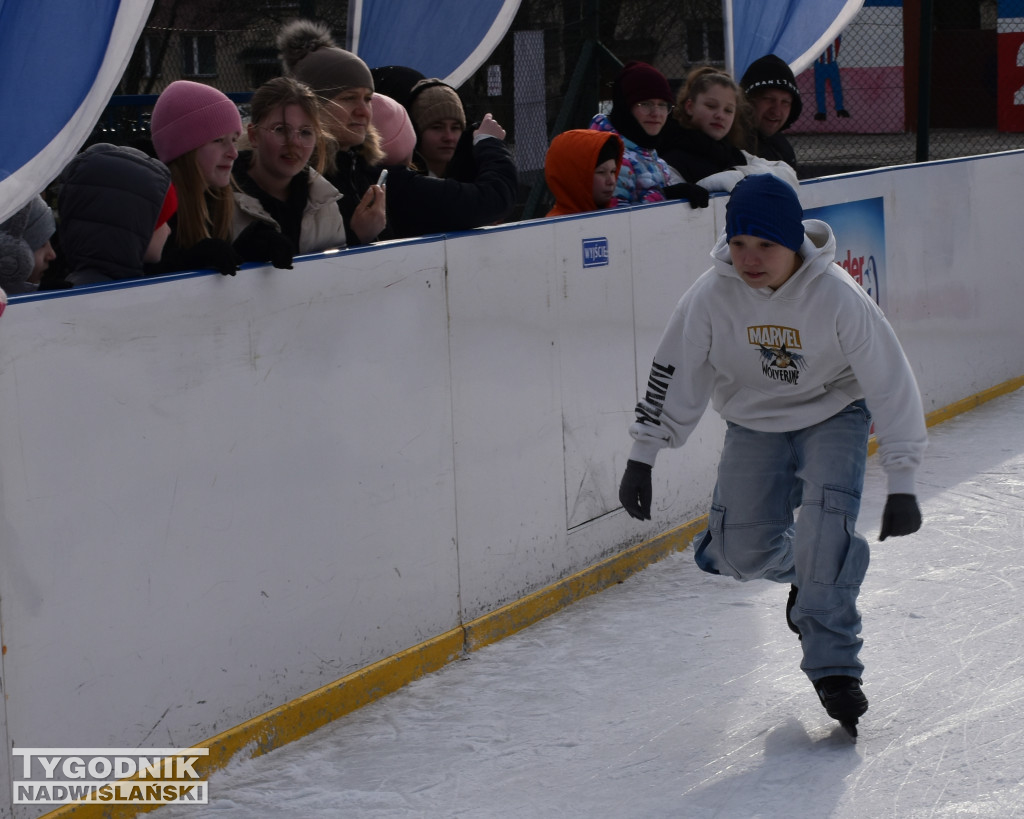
310	55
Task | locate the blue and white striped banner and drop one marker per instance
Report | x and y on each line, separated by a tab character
448	39
60	61
797	31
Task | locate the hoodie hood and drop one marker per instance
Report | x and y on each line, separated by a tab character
109	202
569	169
817	251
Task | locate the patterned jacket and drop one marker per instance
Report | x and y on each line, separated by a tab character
643	173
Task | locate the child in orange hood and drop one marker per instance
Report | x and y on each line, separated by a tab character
581	169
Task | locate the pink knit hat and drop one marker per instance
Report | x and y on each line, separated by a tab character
398	139
189	114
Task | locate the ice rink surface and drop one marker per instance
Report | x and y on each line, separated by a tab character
679	694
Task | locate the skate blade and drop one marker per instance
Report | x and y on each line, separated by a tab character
850	728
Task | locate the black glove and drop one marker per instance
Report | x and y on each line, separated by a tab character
635	490
262	242
695	194
211	254
901	516
462	166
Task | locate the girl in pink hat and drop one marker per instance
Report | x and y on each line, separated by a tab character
194	130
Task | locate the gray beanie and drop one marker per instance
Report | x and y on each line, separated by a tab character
311	56
33	223
16	262
20	236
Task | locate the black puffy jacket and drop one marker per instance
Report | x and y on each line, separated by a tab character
419	204
110	198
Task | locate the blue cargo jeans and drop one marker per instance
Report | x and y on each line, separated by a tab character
762	478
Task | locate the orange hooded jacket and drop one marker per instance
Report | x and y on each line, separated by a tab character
569	169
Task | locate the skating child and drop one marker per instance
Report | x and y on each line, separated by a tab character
798	360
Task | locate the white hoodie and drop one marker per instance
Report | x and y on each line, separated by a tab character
782	360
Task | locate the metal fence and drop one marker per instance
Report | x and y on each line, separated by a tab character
904	82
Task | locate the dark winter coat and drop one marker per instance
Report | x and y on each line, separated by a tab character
353	176
695	155
110	198
775	147
419	204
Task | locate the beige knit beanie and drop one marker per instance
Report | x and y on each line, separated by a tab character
433	101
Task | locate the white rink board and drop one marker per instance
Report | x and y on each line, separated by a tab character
221	494
200	482
955	289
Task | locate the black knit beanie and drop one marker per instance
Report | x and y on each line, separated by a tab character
770	71
395	81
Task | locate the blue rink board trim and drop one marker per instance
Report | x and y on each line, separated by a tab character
46	295
455	236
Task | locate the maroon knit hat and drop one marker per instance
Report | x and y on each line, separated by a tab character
640	81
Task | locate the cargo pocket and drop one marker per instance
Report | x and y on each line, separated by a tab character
842	556
708	552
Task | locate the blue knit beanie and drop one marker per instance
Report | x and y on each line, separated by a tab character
763	205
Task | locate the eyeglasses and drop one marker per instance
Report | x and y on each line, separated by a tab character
661	107
306	137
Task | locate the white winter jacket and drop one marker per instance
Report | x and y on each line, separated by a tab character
322	225
777	361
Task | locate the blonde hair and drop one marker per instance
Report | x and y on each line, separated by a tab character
370	148
284	91
203	212
699	80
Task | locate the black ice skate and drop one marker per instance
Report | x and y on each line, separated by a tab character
789	608
843	700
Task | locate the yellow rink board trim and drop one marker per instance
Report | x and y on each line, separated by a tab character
300	717
974	401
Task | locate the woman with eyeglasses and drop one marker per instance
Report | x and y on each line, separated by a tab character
344	88
283	205
707	130
641	104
